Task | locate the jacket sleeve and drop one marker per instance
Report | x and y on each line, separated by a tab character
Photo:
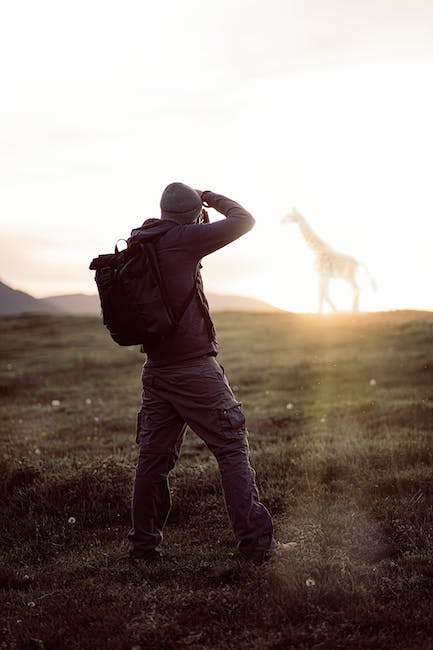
205	238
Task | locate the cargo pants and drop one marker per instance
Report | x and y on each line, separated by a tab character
197	394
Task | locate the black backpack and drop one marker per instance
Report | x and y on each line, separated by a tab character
134	302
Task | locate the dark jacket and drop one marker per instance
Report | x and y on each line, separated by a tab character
179	251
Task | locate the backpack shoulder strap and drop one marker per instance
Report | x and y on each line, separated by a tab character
149	243
149	247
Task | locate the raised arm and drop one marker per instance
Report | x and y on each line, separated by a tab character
206	238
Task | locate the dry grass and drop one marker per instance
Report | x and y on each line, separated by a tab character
346	469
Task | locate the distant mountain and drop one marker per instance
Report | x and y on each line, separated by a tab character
81	304
18	302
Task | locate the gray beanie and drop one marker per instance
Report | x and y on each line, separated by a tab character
180	202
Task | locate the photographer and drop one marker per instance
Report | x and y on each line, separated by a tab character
183	384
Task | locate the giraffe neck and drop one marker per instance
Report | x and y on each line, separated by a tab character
311	239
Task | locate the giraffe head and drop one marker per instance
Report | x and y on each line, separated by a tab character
292	217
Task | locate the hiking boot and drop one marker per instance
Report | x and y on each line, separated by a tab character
281	551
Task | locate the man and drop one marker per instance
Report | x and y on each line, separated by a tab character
184	385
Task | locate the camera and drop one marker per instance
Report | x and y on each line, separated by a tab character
203	217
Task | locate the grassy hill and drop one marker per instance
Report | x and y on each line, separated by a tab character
13	301
340	414
16	303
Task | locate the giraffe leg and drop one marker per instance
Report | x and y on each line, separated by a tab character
355	289
328	297
331	304
324	294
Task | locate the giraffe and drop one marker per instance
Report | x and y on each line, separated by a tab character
329	263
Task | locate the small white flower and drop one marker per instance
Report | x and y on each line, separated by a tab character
322	420
96	419
37	451
31	604
88	401
310	582
289	406
9	366
26	577
55	402
372	382
71	521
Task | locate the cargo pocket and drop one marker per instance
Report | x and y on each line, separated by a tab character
142	432
138	428
232	421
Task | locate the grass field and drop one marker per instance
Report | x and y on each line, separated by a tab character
340	415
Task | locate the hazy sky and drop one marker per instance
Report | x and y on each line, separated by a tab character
322	104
